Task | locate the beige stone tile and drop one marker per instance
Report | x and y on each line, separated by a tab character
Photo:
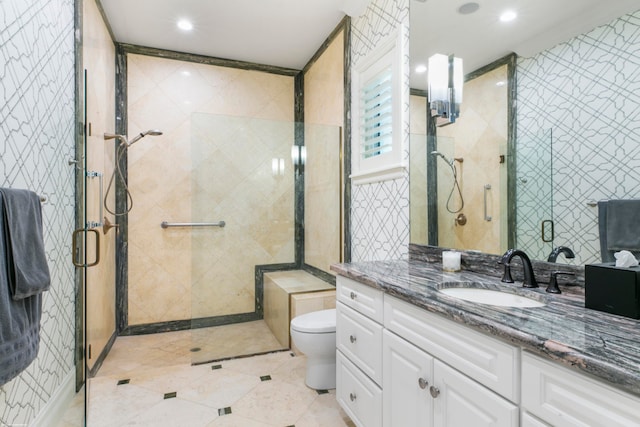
324	411
116	405
276	402
219	388
258	365
175	412
233	420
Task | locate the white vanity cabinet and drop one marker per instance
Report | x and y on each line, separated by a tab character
563	398
421	390
359	312
399	365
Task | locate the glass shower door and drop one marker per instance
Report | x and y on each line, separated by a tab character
534	194
242	211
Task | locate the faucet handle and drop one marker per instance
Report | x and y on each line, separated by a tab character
553	282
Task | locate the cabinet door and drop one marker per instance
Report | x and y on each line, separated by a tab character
529	420
407	375
460	401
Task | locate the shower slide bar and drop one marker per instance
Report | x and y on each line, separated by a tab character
165	224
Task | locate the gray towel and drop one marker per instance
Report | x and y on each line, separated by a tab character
623	225
26	259
19	321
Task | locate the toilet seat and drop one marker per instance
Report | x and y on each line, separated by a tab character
317	322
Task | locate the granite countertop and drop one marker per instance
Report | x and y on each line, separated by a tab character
601	344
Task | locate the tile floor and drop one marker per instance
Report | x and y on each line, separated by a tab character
260	391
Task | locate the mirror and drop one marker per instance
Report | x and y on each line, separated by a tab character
571	141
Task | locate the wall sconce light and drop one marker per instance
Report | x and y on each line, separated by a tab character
277	167
445	79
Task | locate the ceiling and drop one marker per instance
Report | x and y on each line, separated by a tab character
286	33
283	33
480	38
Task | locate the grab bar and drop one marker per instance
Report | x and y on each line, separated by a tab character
165	224
487	187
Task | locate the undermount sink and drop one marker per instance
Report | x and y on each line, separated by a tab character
490	296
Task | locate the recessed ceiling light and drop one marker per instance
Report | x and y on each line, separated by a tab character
508	15
185	25
421	68
468	8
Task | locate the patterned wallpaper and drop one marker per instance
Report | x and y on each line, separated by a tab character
587	92
36	141
380	211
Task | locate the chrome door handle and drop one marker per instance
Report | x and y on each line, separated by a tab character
435	391
422	383
74	248
487	187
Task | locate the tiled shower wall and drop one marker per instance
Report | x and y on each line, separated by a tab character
587	91
36	142
222	126
380	211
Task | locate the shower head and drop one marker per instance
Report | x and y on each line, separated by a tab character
152	132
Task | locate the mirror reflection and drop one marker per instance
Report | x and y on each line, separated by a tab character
529	177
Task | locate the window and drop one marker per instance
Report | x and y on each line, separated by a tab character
378	114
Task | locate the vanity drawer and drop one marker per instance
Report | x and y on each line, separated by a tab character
362	298
562	397
360	339
358	396
489	361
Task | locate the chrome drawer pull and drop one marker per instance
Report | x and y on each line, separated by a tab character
423	383
352	396
352	339
353	295
435	391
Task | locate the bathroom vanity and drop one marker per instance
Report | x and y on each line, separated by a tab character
409	355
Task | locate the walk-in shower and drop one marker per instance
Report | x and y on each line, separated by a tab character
120	150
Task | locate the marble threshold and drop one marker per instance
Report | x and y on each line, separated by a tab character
601	344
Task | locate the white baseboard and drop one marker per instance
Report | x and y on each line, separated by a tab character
54	410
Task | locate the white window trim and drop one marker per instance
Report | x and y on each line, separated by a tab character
391	165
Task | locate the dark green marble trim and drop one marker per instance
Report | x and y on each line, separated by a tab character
122	236
325	45
207	60
298	196
346	161
320	274
432	179
103	355
259	278
182	325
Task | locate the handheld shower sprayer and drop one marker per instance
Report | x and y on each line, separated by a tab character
455	185
120	150
152	132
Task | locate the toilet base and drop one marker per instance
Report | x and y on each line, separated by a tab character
321	373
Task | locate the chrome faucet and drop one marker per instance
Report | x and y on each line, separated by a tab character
529	278
568	253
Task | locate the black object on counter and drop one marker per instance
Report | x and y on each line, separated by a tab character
612	289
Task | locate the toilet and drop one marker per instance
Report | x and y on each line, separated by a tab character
315	335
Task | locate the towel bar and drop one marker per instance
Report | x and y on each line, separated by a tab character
165	224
